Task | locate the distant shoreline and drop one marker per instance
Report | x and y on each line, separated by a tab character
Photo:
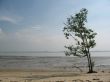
43	51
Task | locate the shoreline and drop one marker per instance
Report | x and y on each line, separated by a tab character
21	69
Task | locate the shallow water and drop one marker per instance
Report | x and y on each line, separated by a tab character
45	62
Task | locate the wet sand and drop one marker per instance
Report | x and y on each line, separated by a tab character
16	75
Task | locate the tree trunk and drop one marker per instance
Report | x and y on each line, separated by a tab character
90	63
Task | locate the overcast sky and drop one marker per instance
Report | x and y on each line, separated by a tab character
36	25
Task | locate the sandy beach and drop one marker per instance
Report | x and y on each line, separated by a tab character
52	69
52	76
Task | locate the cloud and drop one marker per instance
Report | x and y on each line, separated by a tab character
2	34
10	19
0	31
31	39
29	31
38	28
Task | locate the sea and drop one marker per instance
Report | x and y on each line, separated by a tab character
49	60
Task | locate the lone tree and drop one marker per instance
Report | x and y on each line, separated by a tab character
84	37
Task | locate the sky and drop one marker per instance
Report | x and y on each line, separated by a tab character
36	25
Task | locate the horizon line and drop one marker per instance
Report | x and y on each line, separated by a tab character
47	51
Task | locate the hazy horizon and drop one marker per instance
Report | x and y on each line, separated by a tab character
50	53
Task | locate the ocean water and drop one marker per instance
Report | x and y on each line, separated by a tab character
22	60
98	54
